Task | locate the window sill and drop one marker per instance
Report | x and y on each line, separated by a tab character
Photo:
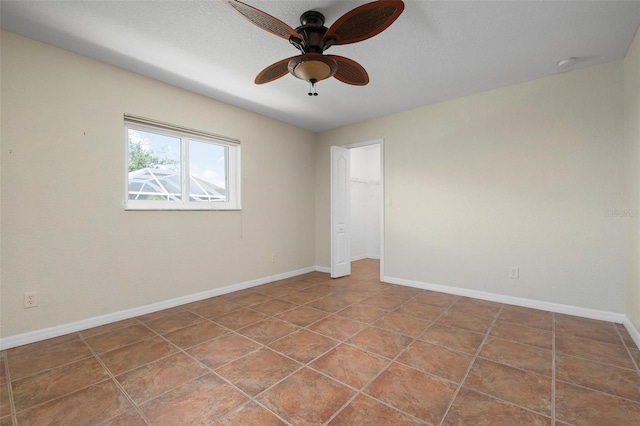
182	208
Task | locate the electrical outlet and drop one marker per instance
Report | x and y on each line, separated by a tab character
274	258
31	299
514	273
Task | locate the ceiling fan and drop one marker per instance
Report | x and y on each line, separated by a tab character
312	38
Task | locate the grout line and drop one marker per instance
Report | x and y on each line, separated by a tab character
342	407
335	290
547	415
241	407
624	343
248	396
599	362
117	326
514	367
52	368
68	394
92	356
523	344
213	372
261	347
14	414
471	364
340	342
118	385
603	393
184	352
391	361
360	391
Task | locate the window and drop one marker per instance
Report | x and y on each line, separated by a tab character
174	168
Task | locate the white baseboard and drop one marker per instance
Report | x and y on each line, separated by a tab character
633	332
48	333
60	330
510	300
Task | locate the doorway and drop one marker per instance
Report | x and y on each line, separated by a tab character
357	210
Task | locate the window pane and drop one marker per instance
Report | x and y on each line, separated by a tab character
154	166
208	172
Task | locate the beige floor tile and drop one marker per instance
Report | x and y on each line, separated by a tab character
223	350
239	318
57	382
302	316
528	390
454	338
577	405
151	380
91	405
117	338
436	360
380	341
258	370
350	365
517	355
526	335
306	398
200	401
337	327
413	392
312	350
251	414
135	355
594	350
364	410
605	378
472	408
37	361
268	330
303	345
192	335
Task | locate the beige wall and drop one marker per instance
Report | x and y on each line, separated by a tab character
632	187
519	176
64	231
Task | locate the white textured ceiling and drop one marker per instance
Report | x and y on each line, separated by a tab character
436	50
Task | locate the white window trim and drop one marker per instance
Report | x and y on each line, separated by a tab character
185	134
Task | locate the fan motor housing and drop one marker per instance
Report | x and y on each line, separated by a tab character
312	17
312	32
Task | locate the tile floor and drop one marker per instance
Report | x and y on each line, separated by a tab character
310	350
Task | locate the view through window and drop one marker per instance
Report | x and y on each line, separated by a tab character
172	170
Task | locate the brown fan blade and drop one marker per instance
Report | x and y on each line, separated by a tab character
273	71
349	71
263	20
364	21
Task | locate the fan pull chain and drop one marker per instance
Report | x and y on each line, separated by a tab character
312	88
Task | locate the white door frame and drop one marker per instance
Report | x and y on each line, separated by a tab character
382	197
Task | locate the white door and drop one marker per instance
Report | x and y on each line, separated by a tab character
340	212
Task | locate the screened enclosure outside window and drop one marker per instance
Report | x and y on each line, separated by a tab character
173	168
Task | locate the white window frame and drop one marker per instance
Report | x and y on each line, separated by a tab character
232	147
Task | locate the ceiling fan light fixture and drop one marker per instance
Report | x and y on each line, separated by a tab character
312	67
